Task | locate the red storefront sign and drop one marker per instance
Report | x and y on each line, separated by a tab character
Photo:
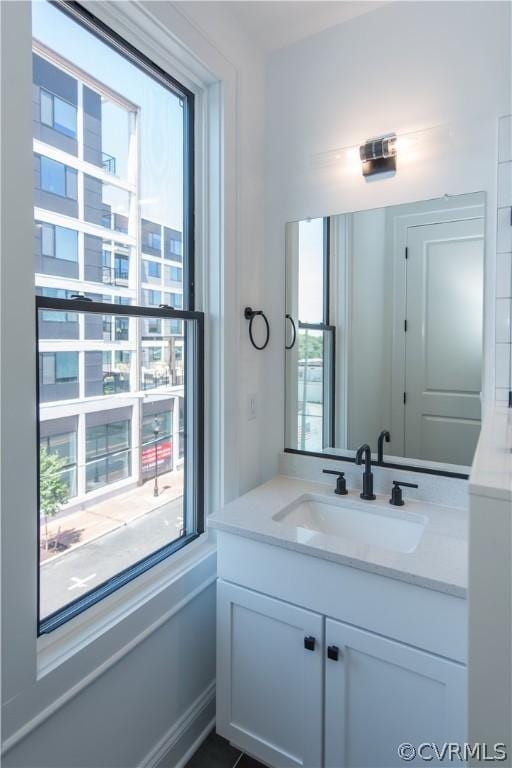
163	452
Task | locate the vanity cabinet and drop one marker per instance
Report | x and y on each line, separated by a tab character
298	685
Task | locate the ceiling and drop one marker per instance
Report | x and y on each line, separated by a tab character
277	23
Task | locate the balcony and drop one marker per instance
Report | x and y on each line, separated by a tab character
115	382
109	163
112	275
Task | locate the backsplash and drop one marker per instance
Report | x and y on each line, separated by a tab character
504	262
448	491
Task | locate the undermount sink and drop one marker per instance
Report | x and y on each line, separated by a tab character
388	529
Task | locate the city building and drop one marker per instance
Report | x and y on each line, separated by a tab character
111	388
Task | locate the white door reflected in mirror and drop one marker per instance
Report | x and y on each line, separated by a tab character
443	357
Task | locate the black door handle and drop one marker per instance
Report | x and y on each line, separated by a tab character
309	643
333	652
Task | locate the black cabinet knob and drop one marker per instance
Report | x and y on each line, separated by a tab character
333	652
309	643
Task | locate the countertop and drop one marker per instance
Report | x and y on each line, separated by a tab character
491	474
439	562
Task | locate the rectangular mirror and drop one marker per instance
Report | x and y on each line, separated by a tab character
384	331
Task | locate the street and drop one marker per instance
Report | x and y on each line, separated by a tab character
71	575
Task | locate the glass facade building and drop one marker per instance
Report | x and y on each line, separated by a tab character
90	238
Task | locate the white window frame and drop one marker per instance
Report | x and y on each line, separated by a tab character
36	680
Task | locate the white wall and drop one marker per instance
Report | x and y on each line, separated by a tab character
405	67
133	681
369	328
504	261
217	25
125	713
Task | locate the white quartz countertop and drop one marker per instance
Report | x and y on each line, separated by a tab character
439	562
491	474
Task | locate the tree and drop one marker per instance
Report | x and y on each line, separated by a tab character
53	491
310	347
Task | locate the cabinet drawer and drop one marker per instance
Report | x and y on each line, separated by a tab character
426	618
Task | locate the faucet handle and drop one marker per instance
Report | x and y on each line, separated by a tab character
396	492
341	483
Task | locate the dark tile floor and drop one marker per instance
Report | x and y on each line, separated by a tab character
216	752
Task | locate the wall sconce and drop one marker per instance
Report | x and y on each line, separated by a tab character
378	155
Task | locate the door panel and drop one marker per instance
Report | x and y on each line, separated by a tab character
269	686
381	693
444	340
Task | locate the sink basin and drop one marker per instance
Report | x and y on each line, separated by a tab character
379	527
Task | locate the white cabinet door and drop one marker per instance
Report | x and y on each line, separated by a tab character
380	694
269	684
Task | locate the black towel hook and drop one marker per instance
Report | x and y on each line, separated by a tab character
249	315
294	329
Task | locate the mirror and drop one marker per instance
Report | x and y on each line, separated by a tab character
384	330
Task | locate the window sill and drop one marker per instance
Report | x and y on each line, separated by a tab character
181	577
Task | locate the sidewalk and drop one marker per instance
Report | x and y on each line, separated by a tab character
69	531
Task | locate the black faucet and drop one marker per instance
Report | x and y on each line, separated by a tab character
384	435
396	494
367	494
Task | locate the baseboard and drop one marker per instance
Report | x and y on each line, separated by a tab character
191	729
196	744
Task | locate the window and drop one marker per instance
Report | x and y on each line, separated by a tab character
111	376
66	244
175	251
116	373
174	300
59	367
120	223
155	353
46	108
313	265
58	178
122	328
122	358
66	366
108	455
48	240
64	447
151	269
154	240
122	266
173	274
59	242
57	317
315	337
122	300
151	298
58	114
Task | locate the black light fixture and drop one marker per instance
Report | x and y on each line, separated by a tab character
378	155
